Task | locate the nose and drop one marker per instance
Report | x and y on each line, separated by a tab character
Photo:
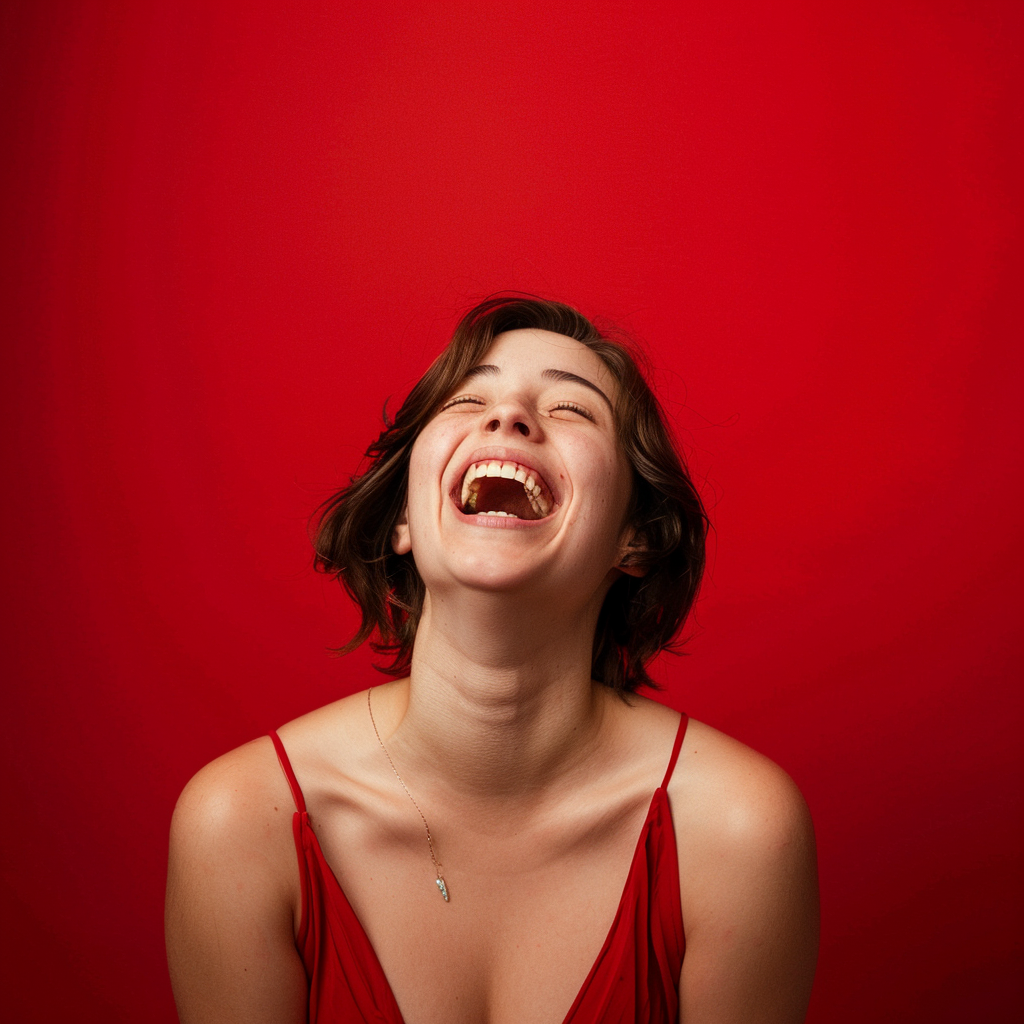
516	425
514	417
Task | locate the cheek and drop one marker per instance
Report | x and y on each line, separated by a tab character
611	469
619	492
416	490
427	462
608	478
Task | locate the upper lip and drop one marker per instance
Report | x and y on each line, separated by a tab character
500	453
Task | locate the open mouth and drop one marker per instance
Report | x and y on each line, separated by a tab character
499	488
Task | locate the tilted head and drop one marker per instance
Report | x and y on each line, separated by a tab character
648	601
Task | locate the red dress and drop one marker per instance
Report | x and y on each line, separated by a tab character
635	977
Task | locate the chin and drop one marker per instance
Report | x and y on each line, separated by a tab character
498	580
490	575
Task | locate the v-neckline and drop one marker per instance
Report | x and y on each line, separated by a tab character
340	891
658	809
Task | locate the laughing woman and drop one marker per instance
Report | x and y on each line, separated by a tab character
505	832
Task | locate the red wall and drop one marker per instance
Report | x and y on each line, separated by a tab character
230	234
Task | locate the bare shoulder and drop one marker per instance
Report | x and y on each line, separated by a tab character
242	802
748	883
726	794
233	898
332	733
231	844
234	803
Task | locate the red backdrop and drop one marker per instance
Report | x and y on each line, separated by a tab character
232	232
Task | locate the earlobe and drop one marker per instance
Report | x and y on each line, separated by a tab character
401	543
631	546
631	570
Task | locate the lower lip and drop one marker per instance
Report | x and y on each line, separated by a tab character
502	522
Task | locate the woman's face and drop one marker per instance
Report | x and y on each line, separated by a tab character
519	480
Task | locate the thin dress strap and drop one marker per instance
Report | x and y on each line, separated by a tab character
680	733
300	803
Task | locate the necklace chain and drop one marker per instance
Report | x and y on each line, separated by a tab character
440	882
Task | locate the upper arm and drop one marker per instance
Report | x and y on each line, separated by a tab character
748	871
231	895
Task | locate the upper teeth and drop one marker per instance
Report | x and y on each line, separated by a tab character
510	471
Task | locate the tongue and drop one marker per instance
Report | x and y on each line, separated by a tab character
498	494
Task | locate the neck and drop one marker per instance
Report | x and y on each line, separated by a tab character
500	701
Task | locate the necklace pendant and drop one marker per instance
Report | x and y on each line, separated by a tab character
444	888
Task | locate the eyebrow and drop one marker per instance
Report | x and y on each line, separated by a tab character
489	370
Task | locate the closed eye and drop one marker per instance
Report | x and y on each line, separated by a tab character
573	407
461	400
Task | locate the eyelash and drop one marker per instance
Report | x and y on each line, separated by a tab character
460	401
573	407
570	406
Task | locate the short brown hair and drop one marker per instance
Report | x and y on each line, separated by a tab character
640	615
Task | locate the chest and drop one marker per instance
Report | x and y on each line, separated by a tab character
537	925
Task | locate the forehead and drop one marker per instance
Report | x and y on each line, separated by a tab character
532	351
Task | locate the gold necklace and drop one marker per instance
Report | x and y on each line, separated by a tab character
430	842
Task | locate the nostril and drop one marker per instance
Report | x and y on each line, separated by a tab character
518	425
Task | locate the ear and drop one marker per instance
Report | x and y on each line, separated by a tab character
629	547
401	543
